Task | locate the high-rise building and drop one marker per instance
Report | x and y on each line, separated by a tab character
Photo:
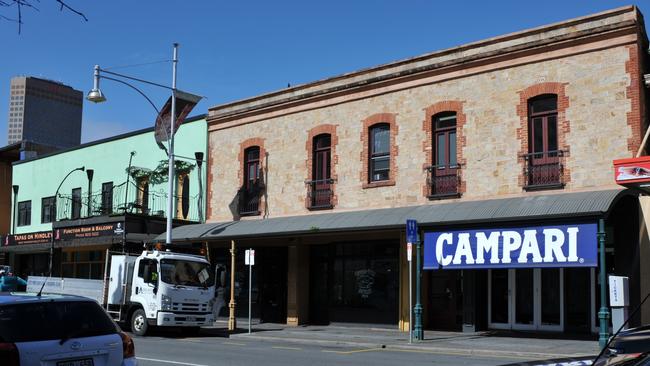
44	112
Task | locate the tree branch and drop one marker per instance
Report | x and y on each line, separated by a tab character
64	5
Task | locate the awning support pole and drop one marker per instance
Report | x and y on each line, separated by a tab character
417	309
232	321
603	314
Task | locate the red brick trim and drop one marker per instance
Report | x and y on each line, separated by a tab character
564	127
365	141
634	94
309	147
427	128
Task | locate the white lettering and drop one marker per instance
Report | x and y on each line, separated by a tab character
573	244
553	241
529	245
511	242
487	245
463	249
442	239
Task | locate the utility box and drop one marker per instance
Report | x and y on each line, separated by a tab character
119	284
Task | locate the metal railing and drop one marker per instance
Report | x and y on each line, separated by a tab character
544	170
249	199
114	202
320	194
443	181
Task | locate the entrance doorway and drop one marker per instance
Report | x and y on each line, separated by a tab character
526	299
445	300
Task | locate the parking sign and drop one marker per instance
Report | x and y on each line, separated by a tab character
411	231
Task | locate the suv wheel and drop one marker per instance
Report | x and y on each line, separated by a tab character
139	323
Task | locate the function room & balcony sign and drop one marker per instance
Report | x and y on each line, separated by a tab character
573	245
633	172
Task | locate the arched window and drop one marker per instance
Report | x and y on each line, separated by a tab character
543	160
251	166
249	195
320	193
444	172
379	157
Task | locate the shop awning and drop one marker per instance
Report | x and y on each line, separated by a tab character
528	208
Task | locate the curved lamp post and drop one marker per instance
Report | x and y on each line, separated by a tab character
53	214
96	96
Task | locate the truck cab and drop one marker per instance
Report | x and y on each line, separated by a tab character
170	289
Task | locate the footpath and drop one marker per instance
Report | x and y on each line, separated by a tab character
489	343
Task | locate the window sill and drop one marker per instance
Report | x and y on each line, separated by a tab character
443	196
543	187
383	183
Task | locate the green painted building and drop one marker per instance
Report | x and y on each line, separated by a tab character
117	202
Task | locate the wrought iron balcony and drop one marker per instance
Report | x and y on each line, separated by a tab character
544	170
443	181
320	194
118	202
249	199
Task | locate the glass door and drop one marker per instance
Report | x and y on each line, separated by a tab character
524	298
499	299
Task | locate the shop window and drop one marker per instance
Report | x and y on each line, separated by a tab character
543	161
47	210
24	213
87	264
320	187
379	157
76	203
107	198
444	176
250	192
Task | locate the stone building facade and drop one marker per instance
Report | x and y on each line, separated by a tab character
591	71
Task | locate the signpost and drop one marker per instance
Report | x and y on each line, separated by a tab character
250	262
412	237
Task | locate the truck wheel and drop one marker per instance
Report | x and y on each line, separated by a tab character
139	323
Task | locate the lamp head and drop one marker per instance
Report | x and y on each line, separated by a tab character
96	96
81	168
89	173
15	188
199	158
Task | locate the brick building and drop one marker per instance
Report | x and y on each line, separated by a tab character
517	132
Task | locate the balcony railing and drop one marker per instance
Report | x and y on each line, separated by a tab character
443	181
320	194
544	170
115	202
249	199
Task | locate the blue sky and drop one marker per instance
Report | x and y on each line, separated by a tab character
232	50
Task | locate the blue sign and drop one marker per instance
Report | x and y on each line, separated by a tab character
537	246
411	231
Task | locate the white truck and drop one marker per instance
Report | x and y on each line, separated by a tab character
158	288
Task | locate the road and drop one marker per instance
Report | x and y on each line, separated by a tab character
172	349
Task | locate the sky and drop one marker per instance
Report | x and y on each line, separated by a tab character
231	50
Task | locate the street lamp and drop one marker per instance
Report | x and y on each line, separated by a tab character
96	96
53	214
199	161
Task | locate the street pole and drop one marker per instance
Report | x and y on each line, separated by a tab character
170	190
603	314
53	216
232	321
418	307
410	264
250	292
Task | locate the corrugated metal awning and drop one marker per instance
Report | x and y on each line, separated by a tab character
538	207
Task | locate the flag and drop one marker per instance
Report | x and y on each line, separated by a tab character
185	102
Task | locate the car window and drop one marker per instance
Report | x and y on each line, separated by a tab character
41	321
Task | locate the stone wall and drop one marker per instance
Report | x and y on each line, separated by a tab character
596	129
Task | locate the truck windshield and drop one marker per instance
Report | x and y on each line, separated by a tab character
186	273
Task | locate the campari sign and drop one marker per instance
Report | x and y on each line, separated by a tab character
537	246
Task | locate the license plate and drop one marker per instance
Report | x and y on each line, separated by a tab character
83	362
